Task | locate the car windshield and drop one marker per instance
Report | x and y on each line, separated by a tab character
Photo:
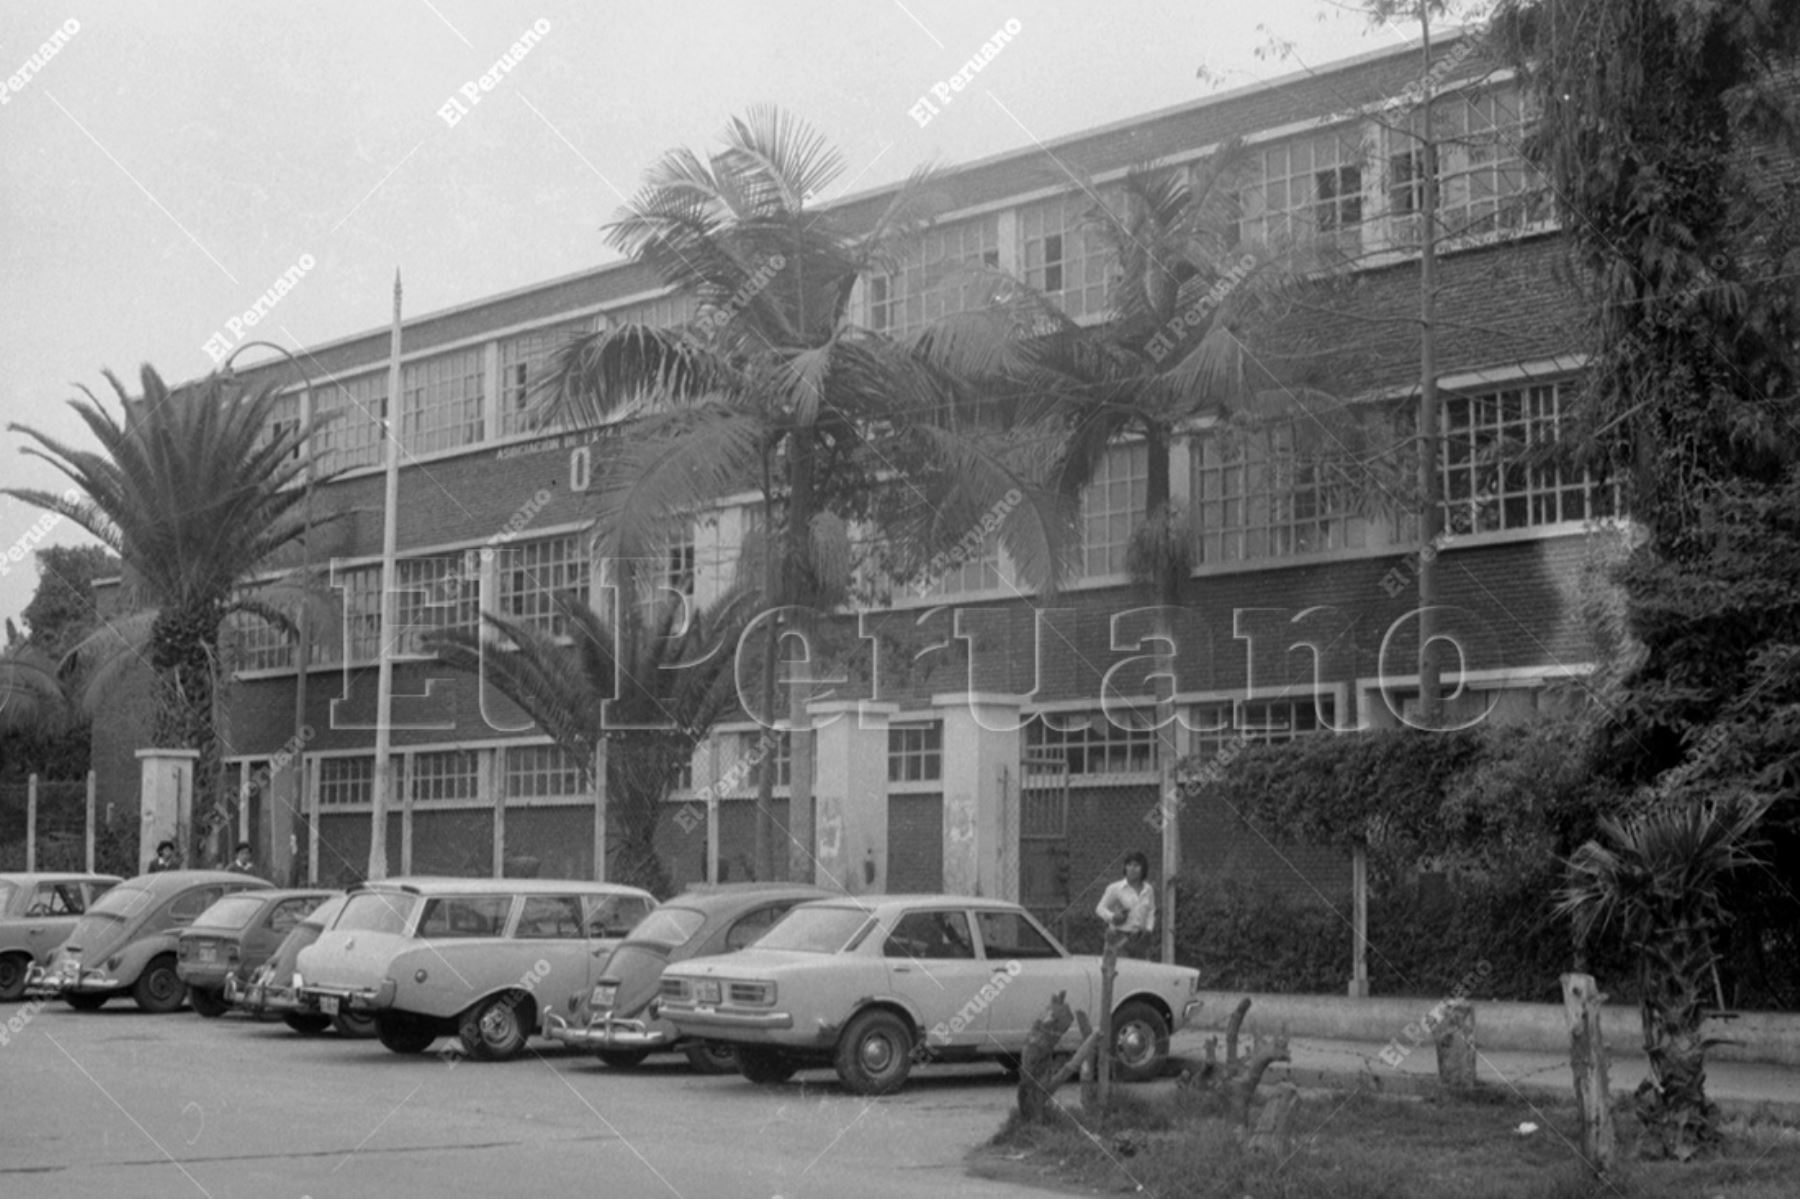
668	926
7	891
377	912
815	930
122	902
234	911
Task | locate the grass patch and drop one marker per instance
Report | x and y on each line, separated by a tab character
1357	1145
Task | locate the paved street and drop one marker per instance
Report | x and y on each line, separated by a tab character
117	1103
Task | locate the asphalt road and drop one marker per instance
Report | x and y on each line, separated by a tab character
118	1103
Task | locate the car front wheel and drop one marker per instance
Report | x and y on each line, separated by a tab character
875	1055
622	1059
763	1066
210	1004
86	1003
1140	1041
403	1034
159	989
492	1031
354	1024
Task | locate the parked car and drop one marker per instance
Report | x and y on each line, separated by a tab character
235	936
37	913
125	944
865	983
478	959
271	989
614	1021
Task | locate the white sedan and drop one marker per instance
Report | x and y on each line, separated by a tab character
872	984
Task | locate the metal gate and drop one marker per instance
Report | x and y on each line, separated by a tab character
1044	838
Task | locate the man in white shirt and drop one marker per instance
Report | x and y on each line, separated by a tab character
1129	906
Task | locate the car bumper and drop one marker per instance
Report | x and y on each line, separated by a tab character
608	1032
331	1000
259	998
710	1022
42	984
207	978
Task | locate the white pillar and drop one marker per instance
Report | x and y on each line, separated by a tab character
165	801
981	793
850	744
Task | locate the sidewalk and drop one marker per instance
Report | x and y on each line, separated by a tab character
1739	1088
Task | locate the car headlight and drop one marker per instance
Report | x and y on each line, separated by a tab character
604	996
758	994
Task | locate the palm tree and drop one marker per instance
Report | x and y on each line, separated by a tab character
32	699
1170	353
668	675
773	390
1653	880
195	494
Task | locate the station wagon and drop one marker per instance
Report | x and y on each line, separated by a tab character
483	960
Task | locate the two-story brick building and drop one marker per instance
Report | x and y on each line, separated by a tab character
989	761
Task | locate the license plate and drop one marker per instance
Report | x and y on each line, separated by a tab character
328	1004
706	991
208	954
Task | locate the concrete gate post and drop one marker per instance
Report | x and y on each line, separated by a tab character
981	793
165	803
850	748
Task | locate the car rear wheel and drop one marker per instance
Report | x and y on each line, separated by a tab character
1140	1041
86	1003
354	1024
875	1055
492	1031
13	967
622	1059
403	1034
710	1057
307	1024
159	989
210	1004
764	1066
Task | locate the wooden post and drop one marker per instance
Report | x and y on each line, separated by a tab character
31	792
1456	1045
91	804
1274	1130
1037	1078
1587	1059
1359	884
1109	969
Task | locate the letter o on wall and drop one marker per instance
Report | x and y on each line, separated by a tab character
581	468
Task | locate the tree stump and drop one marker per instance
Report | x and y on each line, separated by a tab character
1242	1087
1274	1131
1587	1059
1456	1046
1038	1075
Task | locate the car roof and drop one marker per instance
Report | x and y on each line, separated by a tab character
880	904
712	903
32	878
276	896
169	881
438	885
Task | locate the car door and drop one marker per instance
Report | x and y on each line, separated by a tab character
560	961
1026	968
931	961
261	941
50	916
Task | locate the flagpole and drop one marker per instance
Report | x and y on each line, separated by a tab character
384	687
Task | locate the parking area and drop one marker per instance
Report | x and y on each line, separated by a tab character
121	1103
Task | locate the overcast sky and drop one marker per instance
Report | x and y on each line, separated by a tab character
174	159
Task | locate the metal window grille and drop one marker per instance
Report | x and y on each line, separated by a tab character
541	772
1093	743
525	361
1112	507
347	422
533	574
915	752
442	401
344	781
940	277
445	774
1064	256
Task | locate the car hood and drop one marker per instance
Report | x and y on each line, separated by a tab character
636	968
753	963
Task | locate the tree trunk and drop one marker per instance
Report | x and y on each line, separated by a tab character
1037	1065
1679	1121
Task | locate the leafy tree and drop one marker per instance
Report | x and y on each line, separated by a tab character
772	389
61	611
651	694
195	495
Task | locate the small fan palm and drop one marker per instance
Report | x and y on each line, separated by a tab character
1653	881
651	692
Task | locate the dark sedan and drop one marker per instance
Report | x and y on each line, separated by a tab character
229	940
618	1022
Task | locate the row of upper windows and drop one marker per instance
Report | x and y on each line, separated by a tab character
1252	497
1358	189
